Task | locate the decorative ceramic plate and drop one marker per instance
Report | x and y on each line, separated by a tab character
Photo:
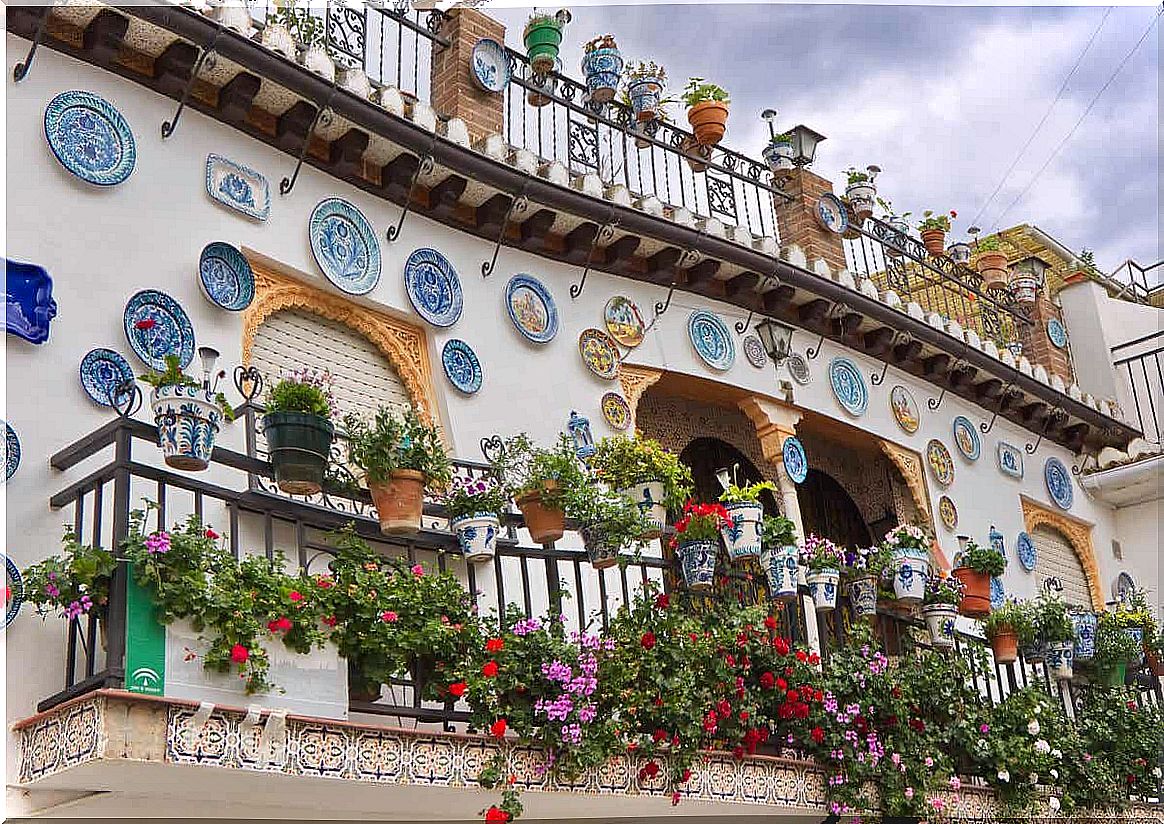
616	411
795	461
170	332
966	438
1057	333
1024	548
905	409
1058	483
344	246
225	277
948	513
941	464
461	366
489	65
848	385
1010	460
531	307
599	353
624	322
237	186
754	351
832	214
997	592
102	371
90	138
433	287
798	369
28	299
711	340
11	451
14	589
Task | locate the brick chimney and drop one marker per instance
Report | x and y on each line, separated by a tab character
797	222
1037	344
453	91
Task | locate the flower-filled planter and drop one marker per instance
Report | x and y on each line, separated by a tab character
188	413
601	551
696	542
707	110
602	65
824	585
1007	627
610	522
778	154
745	513
539	480
1056	631
644	87
933	229
974	567
477	536
940	609
863	572
545	522
399	501
862	590
861	192
649	476
299	431
474	507
1115	649
990	262
822	560
909	563
1086	624
543	39
780	558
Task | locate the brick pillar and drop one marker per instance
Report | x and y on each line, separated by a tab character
1037	345
453	91
796	219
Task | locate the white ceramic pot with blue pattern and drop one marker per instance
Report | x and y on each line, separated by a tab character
648	497
1085	627
940	621
188	420
778	155
477	536
601	553
1059	659
603	70
742	537
863	596
862	197
911	567
644	92
824	584
782	567
698	561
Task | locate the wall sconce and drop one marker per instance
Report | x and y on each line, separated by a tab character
776	338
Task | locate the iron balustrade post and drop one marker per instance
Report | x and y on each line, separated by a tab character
116	617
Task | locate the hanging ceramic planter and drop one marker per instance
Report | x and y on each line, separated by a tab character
910	569
355	81
399	502
935	241
299	446
188	419
545	84
648	497
543	39
477	536
940	621
861	192
1059	660
278	38
1034	652
742	537
863	596
976	595
601	553
708	121
697	559
1004	645
644	87
782	569
959	252
1137	636
602	65
823	584
893	243
1086	624
778	155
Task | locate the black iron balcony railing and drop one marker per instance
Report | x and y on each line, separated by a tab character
1139	362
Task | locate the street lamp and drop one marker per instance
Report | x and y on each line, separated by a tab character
804	143
777	339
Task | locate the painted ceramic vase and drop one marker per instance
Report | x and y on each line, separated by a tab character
648	497
644	93
910	569
782	568
863	596
742	538
1085	626
1060	659
299	447
940	621
698	561
1034	652
603	70
862	197
188	420
600	551
778	155
823	584
477	536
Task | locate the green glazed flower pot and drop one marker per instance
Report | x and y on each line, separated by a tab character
541	45
299	446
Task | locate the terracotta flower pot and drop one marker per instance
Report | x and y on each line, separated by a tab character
545	525
709	121
976	598
935	241
400	502
1155	663
1005	646
992	267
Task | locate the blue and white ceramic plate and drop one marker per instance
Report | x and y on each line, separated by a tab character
170	333
1024	548
489	65
14	588
798	369
532	309
237	186
1010	460
966	438
832	214
433	287
754	351
461	366
11	451
997	592
102	371
28	300
848	386
795	461
344	246
711	339
225	277
90	138
1058	483
1057	333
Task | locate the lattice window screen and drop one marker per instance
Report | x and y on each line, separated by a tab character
363	377
1058	559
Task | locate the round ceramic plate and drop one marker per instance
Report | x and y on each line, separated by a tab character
14	589
1058	483
102	371
966	438
798	369
754	351
531	307
711	339
624	322
905	410
11	451
948	513
225	277
489	65
795	461
940	461
90	138
433	287
599	353
997	593
170	332
616	411
344	246
1057	333
461	366
848	385
1024	548
832	214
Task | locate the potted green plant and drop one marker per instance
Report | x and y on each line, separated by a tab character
645	82
908	547
861	191
1057	633
707	110
779	152
187	412
400	455
780	557
745	512
1134	614
933	229
1114	650
648	475
538	480
299	432
696	542
73	583
474	507
823	561
990	261
602	65
940	608
975	565
1007	627
899	223
543	38
609	522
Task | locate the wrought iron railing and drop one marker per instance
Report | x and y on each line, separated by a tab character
1145	380
1140	283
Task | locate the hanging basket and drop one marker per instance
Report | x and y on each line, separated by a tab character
823	584
648	497
1060	659
477	536
863	596
708	121
601	553
940	621
910	569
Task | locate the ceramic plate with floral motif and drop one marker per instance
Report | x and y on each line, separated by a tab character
798	369
997	592
940	461
1058	483
156	325
599	353
711	339
344	246
532	309
490	65
90	137
848	385
948	513
103	371
905	409
624	322
461	366
754	351
616	411
226	277
1024	548
11	451
966	438
795	459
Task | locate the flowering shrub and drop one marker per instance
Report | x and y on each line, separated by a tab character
1018	750
907	537
1053	622
465	496
700	522
943	590
74	583
303	390
820	553
1113	646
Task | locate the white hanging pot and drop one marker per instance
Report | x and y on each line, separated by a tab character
188	420
742	536
477	536
1060	660
355	81
782	568
278	38
910	570
648	497
823	584
940	620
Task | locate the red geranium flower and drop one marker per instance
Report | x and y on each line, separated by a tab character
281	624
738	753
457	689
781	646
497	729
767	680
662	600
495	645
724	709
330	620
686	777
817	734
212	535
648	640
239	654
295	595
489	670
770	622
496	815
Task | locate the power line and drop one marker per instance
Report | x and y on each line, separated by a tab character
1046	115
1082	117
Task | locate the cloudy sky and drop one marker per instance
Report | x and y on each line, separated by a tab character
941	98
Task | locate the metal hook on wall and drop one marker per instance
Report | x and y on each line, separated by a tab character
248	381
604	234
518	204
207	60
1006	390
1079	468
1055	416
322	115
960	365
900	339
741	326
661	307
812	352
493	448
20	70
424	167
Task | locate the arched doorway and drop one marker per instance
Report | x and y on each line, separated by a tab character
706	457
828	510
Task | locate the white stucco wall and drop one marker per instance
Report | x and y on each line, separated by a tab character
1138	529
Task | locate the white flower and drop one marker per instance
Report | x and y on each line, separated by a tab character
1034	778
1053	804
1042	747
1156	773
981	743
1038	709
1054	774
1004	775
1057	753
1033	728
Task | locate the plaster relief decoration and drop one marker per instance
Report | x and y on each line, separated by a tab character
433	287
616	411
909	464
948	513
489	66
905	409
848	386
461	366
966	438
940	461
1010	460
795	459
711	339
90	137
156	325
624	322
1058	483
1078	535
102	372
798	369
225	277
238	187
531	308
11	451
635	380
599	353
1028	555
28	298
345	246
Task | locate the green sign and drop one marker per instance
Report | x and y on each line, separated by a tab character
145	642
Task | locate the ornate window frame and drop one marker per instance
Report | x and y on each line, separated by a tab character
1078	535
